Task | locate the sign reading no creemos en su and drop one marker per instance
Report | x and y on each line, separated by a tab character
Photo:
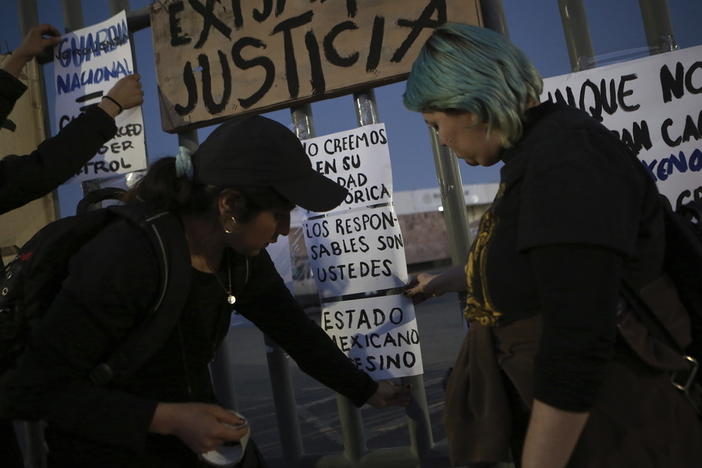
217	59
357	159
654	104
87	64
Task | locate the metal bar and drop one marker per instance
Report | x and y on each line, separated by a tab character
278	365
73	20
452	199
139	19
365	107
421	437
222	377
284	400
302	121
72	15
29	17
118	5
31	432
494	16
577	34
659	30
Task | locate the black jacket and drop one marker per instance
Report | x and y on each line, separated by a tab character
112	281
25	178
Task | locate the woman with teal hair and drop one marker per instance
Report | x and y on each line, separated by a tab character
543	377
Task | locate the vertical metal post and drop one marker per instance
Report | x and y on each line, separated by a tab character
278	365
421	437
284	400
72	20
222	377
447	170
349	415
494	16
577	34
31	433
29	17
659	31
453	200
72	15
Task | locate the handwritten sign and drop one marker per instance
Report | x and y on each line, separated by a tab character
357	251
654	104
379	335
87	64
357	159
217	59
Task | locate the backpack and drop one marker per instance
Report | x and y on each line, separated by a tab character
31	281
683	271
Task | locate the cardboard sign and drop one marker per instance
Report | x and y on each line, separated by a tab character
356	251
379	335
655	106
87	64
357	159
217	59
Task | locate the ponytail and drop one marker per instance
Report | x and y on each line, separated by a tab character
162	189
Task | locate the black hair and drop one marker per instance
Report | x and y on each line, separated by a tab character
163	189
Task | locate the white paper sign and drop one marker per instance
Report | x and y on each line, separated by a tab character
359	160
87	64
379	335
356	251
655	106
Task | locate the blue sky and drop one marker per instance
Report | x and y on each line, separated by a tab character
534	25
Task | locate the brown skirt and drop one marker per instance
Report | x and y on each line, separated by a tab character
637	420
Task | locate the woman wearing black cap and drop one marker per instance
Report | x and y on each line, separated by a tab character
234	197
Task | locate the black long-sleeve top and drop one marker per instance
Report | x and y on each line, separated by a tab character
25	178
576	214
112	281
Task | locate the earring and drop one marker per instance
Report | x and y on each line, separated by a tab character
230	230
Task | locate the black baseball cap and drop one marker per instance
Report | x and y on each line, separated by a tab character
255	151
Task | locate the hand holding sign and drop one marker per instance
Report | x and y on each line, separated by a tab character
125	94
35	42
421	287
390	394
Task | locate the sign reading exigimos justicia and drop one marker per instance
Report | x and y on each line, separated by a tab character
215	59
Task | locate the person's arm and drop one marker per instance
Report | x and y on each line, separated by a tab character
38	39
425	285
578	286
25	178
271	307
552	436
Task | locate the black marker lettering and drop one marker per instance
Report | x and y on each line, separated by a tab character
243	64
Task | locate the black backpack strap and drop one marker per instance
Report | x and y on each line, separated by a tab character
692	213
166	234
99	195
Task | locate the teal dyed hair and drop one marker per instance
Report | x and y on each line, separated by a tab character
473	69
